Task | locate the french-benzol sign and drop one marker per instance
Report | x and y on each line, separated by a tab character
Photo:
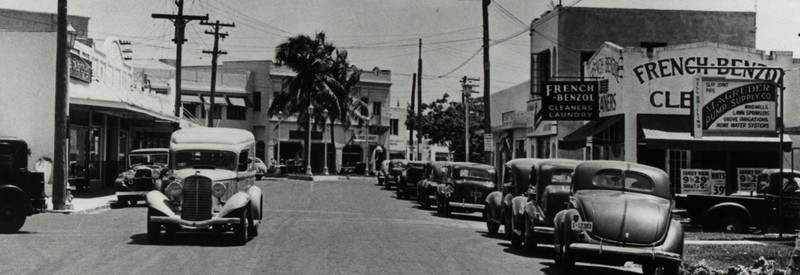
569	100
734	106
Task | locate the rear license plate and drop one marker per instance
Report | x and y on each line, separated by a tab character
582	226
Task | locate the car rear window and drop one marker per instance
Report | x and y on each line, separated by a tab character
616	180
562	177
474	174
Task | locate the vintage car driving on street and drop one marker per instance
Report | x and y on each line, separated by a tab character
426	188
261	168
21	191
415	172
465	188
618	212
211	185
396	169
146	169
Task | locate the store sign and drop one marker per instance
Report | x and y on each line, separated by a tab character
703	182
570	100
747	178
734	106
80	69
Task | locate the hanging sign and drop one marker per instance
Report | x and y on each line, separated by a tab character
570	100
734	106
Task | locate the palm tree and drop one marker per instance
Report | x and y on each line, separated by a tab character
309	59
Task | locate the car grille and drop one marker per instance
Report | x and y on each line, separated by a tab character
469	194
143	184
143	173
196	199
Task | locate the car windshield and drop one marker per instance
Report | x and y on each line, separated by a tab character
205	159
135	159
630	181
474	174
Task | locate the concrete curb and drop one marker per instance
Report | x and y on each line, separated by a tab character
717	242
89	210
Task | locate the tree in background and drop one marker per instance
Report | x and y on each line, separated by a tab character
442	122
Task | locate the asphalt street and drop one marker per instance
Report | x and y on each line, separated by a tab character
342	227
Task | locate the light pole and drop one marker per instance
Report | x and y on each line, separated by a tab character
467	85
65	40
278	157
308	147
325	142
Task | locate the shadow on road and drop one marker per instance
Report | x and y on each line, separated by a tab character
498	236
460	216
541	252
552	269
210	239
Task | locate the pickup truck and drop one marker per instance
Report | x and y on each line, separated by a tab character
741	211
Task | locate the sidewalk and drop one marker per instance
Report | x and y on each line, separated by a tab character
93	201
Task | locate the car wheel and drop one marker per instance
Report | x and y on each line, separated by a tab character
399	193
491	226
253	230
650	269
241	230
425	202
529	242
153	228
170	231
442	208
671	268
508	230
258	177
730	224
380	181
12	215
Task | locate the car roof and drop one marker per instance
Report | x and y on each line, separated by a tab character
213	138
471	165
149	150
776	171
585	171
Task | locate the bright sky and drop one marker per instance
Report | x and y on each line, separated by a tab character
383	33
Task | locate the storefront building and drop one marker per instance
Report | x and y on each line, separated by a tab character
652	113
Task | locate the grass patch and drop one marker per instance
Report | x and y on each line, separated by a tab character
725	255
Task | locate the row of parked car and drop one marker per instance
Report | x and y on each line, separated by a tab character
602	212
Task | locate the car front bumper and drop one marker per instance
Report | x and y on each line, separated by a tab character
175	219
138	194
466	205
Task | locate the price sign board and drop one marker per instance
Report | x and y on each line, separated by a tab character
695	181
717	183
747	178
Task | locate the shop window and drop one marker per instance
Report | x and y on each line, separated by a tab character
519	149
256	101
190	110
236	112
376	108
677	160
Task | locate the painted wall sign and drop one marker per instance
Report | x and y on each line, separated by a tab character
678	66
570	100
736	106
80	68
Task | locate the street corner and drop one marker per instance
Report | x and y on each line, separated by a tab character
83	206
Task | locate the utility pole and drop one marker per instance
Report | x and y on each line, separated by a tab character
419	116
179	20
61	111
214	54
411	129
419	78
487	106
466	88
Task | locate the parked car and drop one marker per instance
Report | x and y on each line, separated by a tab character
548	193
739	211
516	174
383	172
211	185
396	169
618	212
407	186
353	168
21	191
465	188
426	188
261	168
146	168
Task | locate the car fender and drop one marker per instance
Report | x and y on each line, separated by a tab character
736	208
518	209
17	192
563	222
237	201
494	203
507	202
159	202
674	240
255	202
535	214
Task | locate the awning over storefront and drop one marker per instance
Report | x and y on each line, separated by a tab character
237	101
577	139
674	132
218	100
658	139
191	99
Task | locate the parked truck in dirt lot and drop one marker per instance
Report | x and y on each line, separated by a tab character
21	191
773	206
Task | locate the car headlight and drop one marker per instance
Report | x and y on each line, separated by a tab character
129	175
218	189
174	189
